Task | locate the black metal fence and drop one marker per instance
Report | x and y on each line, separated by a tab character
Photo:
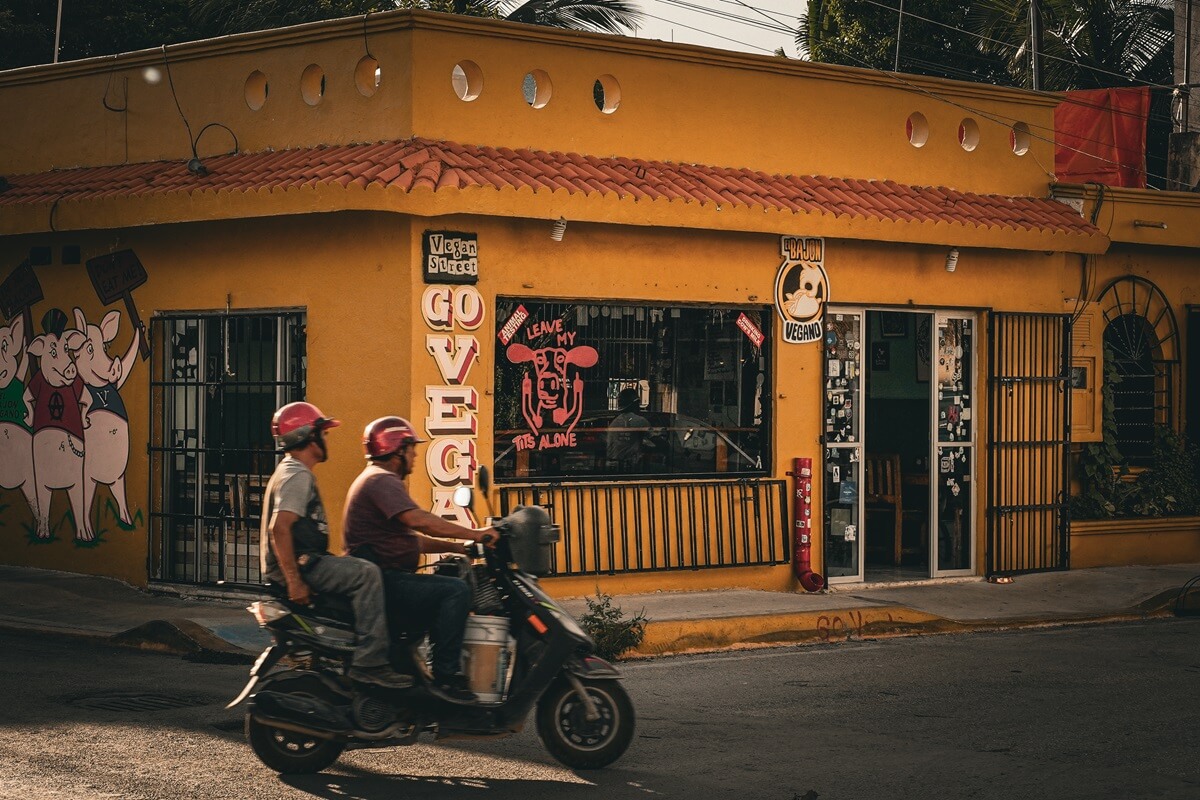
215	381
650	526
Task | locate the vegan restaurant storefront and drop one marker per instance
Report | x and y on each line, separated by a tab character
651	378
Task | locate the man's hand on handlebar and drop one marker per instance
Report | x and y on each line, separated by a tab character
488	537
298	592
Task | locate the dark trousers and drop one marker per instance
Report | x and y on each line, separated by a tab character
433	604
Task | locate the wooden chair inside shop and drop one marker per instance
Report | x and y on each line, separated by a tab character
883	494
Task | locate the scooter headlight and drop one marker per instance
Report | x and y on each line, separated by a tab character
267	611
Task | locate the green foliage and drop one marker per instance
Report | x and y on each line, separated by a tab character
1085	43
606	623
1171	487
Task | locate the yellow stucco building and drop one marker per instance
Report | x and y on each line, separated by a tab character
636	281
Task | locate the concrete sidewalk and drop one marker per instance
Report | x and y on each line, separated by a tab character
67	604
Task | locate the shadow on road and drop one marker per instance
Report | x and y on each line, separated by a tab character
365	785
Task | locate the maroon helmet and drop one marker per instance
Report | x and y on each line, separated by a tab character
295	424
387	435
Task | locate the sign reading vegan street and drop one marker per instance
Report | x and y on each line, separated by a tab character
450	257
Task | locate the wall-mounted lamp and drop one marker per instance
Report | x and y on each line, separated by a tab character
196	167
952	260
4	184
560	227
1149	223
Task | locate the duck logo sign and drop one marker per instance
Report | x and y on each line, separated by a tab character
801	288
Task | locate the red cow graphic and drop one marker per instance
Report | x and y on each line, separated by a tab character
557	394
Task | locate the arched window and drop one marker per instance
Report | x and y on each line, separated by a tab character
1141	337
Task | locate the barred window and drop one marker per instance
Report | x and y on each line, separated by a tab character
594	389
1142	397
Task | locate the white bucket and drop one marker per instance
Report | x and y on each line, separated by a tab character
487	656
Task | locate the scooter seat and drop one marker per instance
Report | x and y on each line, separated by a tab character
332	606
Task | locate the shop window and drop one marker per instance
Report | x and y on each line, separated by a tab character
610	390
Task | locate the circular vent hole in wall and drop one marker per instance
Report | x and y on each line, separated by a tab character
1018	137
367	76
537	88
312	84
467	79
607	93
256	90
916	128
968	134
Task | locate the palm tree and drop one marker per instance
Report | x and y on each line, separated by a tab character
1087	44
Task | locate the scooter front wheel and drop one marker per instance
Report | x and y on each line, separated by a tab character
572	738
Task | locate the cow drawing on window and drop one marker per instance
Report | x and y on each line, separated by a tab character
557	394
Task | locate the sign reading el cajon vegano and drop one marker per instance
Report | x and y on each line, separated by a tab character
801	288
450	257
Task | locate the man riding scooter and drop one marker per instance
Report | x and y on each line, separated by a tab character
383	524
295	543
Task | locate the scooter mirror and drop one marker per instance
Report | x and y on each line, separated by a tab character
463	497
483	479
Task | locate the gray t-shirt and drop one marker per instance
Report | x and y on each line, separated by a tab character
293	487
626	435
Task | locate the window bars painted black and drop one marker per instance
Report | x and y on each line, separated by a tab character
1030	437
216	379
649	526
1142	338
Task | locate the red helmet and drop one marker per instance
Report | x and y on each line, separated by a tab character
295	424
387	435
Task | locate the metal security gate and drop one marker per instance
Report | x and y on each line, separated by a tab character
1030	433
216	379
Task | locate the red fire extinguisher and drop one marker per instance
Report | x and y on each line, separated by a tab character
802	522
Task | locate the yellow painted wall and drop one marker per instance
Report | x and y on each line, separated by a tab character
678	103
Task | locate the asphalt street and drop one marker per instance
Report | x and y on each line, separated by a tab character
1082	712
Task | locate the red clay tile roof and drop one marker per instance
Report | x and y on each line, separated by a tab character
439	165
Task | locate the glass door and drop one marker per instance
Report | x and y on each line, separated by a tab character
843	506
952	548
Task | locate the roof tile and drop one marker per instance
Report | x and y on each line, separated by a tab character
451	166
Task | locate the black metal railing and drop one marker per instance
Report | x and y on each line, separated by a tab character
652	526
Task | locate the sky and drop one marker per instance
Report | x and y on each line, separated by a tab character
727	24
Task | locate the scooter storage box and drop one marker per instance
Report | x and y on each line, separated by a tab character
532	537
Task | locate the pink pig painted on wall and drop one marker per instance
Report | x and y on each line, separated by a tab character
556	393
106	437
58	402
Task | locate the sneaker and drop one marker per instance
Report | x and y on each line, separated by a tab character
453	689
383	675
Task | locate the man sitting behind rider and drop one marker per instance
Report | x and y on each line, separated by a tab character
382	523
295	543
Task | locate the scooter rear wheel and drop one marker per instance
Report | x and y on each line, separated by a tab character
571	738
290	752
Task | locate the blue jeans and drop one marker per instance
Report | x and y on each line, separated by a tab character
433	604
362	583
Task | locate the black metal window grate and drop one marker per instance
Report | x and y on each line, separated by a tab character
216	379
650	526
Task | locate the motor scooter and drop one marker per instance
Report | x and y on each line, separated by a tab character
303	712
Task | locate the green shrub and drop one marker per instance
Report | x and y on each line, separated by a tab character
1169	487
606	623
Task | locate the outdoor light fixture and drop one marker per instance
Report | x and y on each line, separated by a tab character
952	260
4	184
196	167
560	227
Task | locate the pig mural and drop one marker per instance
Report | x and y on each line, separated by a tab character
106	434
557	394
57	403
16	441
